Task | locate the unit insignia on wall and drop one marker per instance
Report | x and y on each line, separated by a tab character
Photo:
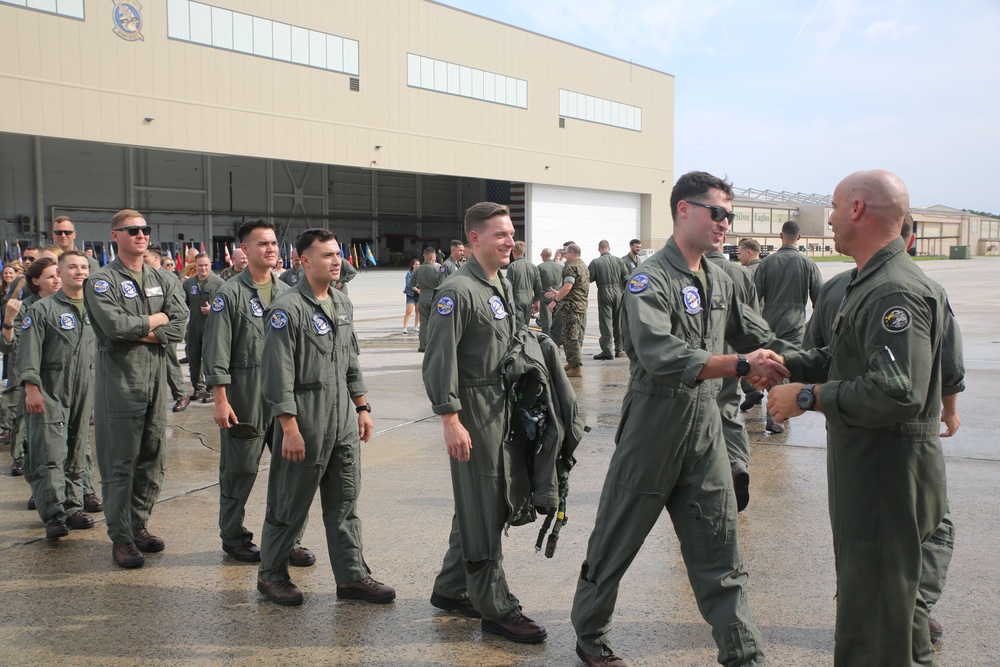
128	20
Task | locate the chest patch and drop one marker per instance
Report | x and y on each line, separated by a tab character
218	303
279	319
256	308
129	290
496	305
294	279
102	286
446	305
321	324
896	320
194	289
638	283
67	321
692	300
26	322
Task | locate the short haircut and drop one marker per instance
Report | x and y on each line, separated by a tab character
155	250
907	230
567	243
62	218
455	243
546	253
477	215
203	255
751	245
34	272
520	247
247	228
429	251
604	245
73	253
123	215
53	248
634	241
790	229
695	184
573	248
310	236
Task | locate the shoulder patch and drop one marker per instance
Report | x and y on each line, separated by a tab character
256	308
102	286
692	300
947	302
218	303
26	322
897	319
321	324
639	282
279	319
67	321
129	290
496	305
445	305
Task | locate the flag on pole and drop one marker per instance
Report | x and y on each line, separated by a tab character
369	256
228	258
112	252
354	250
104	253
18	246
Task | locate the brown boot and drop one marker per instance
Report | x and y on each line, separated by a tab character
282	592
606	659
366	589
575	372
519	629
127	556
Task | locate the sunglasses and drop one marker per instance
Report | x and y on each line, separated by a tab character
62	232
718	213
133	230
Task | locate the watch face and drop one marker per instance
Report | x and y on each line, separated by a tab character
805	398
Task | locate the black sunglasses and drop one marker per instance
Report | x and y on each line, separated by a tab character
718	213
62	232
133	230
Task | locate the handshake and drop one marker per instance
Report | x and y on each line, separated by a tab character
767	369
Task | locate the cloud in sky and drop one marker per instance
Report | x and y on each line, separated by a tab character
796	96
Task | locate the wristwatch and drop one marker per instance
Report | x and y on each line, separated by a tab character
6	326
367	407
742	366
806	398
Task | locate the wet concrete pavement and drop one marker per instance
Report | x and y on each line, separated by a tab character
65	602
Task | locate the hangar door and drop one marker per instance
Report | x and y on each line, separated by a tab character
558	214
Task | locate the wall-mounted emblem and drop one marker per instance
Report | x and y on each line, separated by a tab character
128	20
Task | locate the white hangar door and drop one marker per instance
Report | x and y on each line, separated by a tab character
557	214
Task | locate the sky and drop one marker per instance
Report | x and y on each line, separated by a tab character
796	95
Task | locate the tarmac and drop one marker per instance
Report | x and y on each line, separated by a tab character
65	602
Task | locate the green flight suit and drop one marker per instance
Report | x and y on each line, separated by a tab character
526	284
630	263
470	330
426	279
130	401
291	277
229	272
883	378
347	274
175	375
448	267
671	453
198	293
234	342
785	281
310	370
937	551
609	273
56	354
18	428
573	309
737	442
550	275
752	267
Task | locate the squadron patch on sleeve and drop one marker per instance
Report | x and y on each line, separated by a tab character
496	305
256	309
692	300
102	286
639	282
26	322
129	290
896	320
67	321
445	305
279	319
218	303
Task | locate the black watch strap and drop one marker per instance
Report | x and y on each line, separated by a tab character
367	407
742	365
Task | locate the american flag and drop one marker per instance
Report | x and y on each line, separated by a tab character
510	193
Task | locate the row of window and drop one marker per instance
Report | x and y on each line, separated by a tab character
445	77
70	8
759	220
199	23
599	110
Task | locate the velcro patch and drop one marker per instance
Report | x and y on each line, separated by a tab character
897	319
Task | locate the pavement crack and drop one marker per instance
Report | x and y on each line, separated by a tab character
199	436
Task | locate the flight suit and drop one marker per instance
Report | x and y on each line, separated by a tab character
573	309
737	442
234	342
550	275
56	354
448	267
785	281
630	263
12	391
470	329
130	401
291	277
310	370
752	267
883	378
609	273
198	293
175	375
426	279
229	272
19	430
526	285
670	453
347	274
937	551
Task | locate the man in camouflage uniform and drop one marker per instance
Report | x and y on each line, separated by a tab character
571	300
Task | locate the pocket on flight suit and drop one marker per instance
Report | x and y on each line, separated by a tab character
708	527
349	471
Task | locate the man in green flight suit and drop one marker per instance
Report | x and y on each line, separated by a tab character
175	376
56	367
609	273
571	300
550	275
879	385
526	284
199	290
425	280
234	337
470	329
678	313
938	550
454	260
749	255
313	385
135	312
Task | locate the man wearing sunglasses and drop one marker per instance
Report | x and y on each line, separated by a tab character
64	238
678	312
136	312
